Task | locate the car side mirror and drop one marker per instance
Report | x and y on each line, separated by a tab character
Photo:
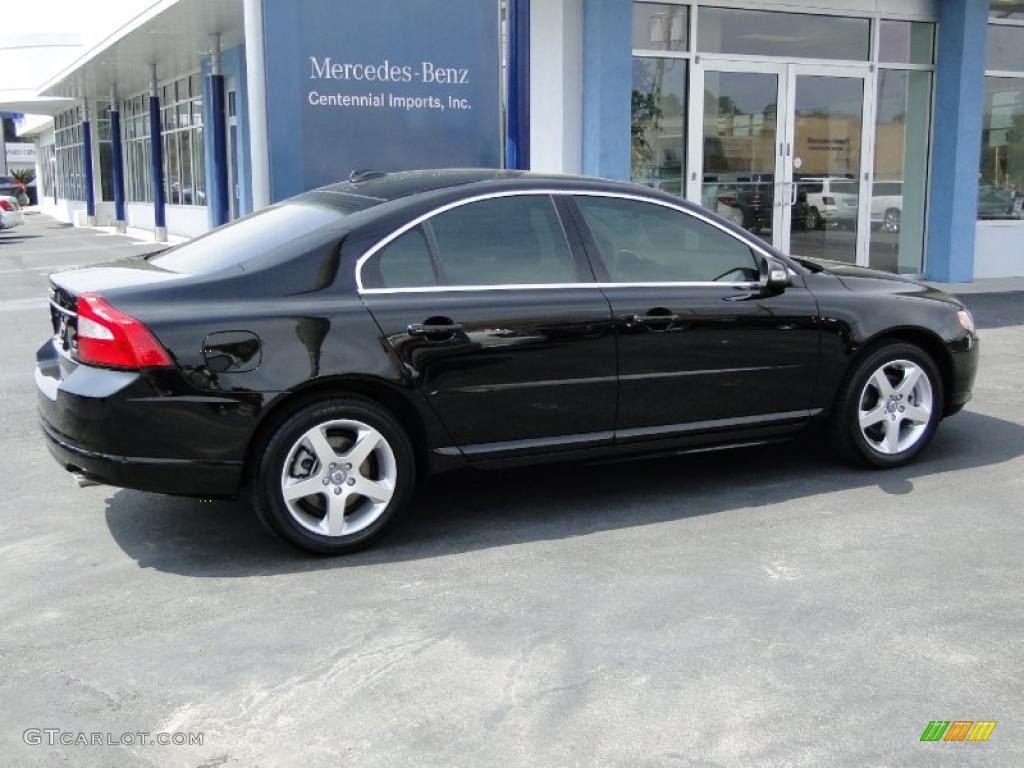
774	277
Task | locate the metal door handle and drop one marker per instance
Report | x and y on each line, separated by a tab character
424	329
655	318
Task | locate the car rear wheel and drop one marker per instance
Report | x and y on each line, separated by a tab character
334	476
814	219
889	408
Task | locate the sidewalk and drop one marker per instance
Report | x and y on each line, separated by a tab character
987	285
134	233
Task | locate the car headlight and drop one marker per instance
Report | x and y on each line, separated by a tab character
966	320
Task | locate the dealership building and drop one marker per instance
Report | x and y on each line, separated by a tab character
887	133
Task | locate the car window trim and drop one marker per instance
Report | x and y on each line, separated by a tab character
424	217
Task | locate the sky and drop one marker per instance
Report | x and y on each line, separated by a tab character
39	38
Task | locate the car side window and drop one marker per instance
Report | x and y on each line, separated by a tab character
647	243
402	263
510	240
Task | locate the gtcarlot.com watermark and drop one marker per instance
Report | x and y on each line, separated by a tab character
53	737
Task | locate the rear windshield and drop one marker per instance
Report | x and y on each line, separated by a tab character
259	237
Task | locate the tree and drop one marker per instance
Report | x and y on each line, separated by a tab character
24	175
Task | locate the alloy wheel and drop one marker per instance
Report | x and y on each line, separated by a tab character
895	407
339	477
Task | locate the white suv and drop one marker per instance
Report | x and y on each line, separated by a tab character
830	200
887	205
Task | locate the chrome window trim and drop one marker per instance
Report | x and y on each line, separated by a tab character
384	241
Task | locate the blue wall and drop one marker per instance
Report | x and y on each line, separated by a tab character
232	62
607	87
386	85
956	142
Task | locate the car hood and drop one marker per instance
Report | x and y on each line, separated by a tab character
865	280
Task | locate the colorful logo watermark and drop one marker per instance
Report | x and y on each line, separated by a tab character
958	730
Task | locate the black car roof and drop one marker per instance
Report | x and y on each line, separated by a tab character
393	186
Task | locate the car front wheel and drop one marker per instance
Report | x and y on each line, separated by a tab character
889	408
334	476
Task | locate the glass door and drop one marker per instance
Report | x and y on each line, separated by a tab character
739	159
783	153
826	155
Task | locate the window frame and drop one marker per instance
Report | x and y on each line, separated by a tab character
574	228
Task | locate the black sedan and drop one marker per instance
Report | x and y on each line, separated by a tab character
323	353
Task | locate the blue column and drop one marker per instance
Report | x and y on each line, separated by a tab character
117	164
517	123
217	132
956	143
90	197
607	87
156	166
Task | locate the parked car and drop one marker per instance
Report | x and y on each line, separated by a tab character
10	213
887	205
319	356
996	203
831	200
750	196
11	187
748	200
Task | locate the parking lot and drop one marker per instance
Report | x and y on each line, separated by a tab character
762	607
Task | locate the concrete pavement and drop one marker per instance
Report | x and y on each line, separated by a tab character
768	607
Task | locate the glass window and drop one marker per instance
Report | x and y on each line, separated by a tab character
404	263
106	171
69	147
661	27
1006	9
793	35
1001	190
648	243
658	130
186	168
900	170
198	167
905	42
258	240
503	241
172	173
1005	48
740	117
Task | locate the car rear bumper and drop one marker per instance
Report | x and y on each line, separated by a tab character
178	477
149	431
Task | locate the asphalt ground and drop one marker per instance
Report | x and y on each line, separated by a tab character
761	607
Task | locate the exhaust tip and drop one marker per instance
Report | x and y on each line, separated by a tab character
82	481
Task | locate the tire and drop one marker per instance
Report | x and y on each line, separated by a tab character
336	505
891	222
899	411
814	220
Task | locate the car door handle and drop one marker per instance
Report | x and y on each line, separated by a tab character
655	319
434	330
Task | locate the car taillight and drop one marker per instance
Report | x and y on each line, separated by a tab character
828	200
5	205
111	338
